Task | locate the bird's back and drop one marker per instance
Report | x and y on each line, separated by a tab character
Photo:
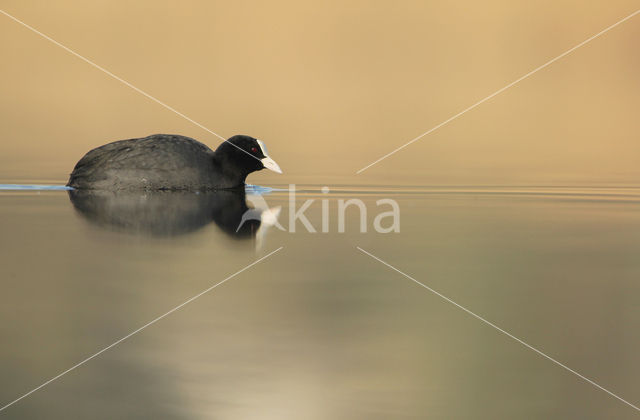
160	161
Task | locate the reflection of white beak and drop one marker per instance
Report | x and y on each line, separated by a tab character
268	218
271	164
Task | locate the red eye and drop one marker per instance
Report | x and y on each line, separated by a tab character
254	149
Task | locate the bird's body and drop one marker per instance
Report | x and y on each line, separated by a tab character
170	162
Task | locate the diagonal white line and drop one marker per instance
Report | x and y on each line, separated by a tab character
500	91
139	329
499	329
121	80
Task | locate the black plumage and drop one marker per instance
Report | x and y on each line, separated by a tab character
170	162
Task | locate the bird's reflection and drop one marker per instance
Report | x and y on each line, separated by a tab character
170	213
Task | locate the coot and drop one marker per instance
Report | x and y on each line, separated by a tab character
170	162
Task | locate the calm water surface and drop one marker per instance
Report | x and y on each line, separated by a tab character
320	330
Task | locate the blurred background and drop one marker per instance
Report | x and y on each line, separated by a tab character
539	234
332	86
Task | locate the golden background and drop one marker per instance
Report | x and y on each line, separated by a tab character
321	331
332	86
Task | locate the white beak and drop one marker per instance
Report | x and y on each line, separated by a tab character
271	164
267	161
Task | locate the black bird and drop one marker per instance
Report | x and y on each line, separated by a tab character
170	162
